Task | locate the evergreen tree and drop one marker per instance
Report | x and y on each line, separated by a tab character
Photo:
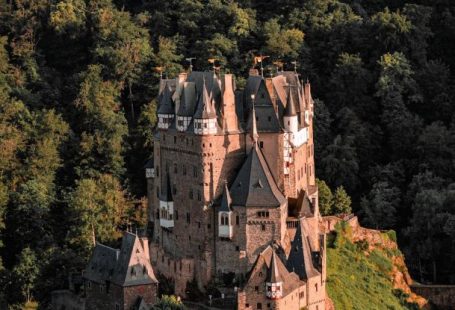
341	202
325	198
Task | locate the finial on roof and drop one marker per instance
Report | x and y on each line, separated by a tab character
160	70
295	65
190	60
254	132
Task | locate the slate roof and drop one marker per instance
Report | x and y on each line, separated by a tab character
165	101
205	108
267	120
133	267
211	81
271	260
304	205
226	200
149	163
124	267
188	100
300	257
274	275
101	264
254	184
290	105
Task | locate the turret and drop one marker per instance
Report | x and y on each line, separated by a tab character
225	227
274	282
165	110
166	205
186	107
291	122
205	116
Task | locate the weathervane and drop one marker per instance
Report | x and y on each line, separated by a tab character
190	61
160	70
260	59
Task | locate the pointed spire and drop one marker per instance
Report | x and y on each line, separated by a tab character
165	106
290	106
274	274
205	107
226	200
254	131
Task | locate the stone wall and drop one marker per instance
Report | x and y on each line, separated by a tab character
442	296
149	293
65	299
98	296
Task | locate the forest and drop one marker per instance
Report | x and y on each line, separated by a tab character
78	81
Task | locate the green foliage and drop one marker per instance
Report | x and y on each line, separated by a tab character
341	202
170	302
102	125
359	280
68	16
98	208
325	198
282	42
25	273
167	57
381	205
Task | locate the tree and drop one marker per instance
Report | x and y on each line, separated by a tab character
341	202
339	163
25	273
102	126
98	208
325	198
350	84
396	90
282	42
322	133
380	206
167	56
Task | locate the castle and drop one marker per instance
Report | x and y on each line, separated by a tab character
231	190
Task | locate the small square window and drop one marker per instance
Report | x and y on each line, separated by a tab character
237	248
259	305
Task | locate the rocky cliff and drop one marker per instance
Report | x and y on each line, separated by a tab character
366	270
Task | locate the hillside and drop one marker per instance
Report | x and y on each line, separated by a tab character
366	269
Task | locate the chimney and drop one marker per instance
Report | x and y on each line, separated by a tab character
178	90
230	121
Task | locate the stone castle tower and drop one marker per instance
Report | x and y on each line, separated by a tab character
231	190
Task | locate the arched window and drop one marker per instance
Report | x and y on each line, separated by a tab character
224	221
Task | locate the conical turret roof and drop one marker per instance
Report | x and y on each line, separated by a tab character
226	199
165	106
290	105
274	275
205	108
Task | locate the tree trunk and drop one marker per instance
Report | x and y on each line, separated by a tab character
130	97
